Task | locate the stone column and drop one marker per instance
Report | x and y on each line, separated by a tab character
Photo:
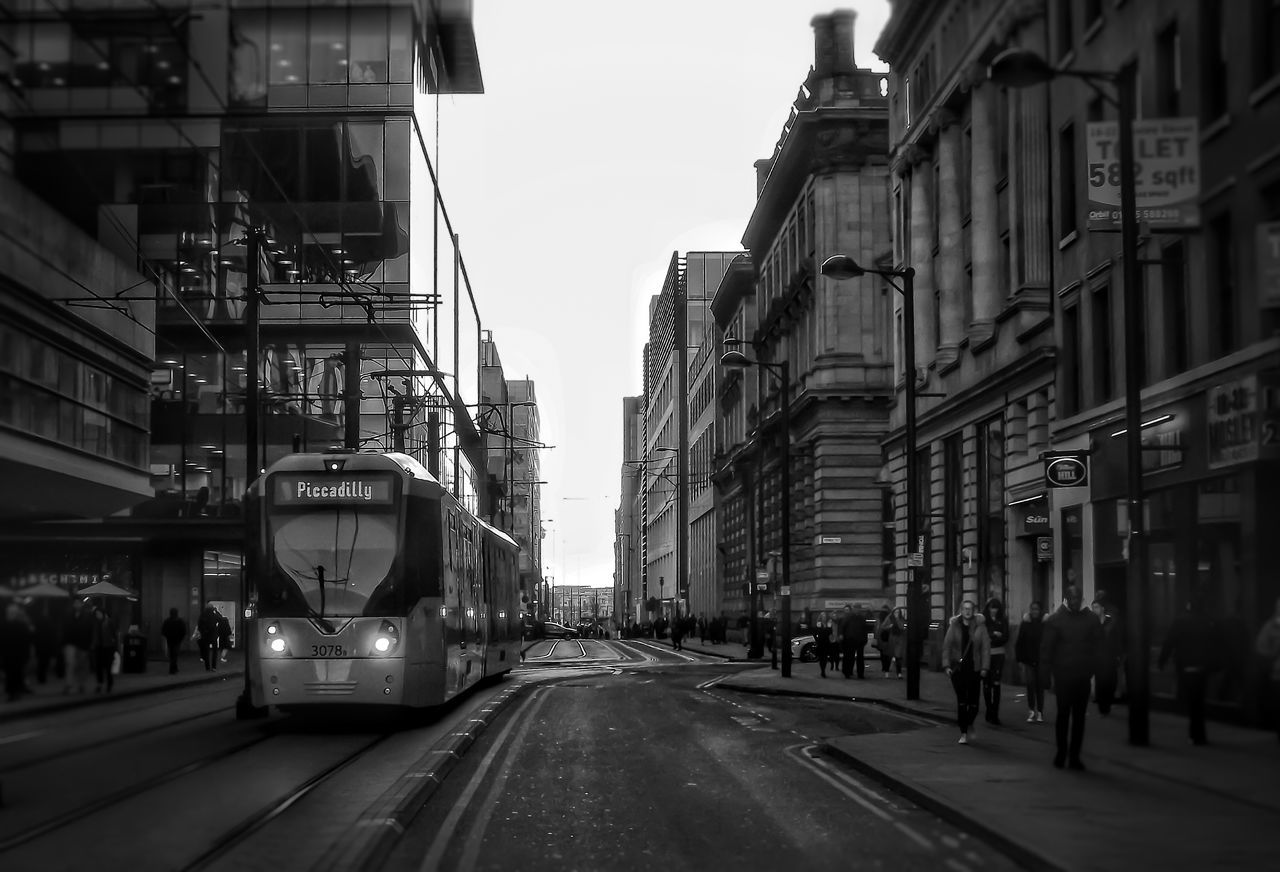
951	279
984	218
921	255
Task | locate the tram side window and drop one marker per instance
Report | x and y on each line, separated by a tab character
424	550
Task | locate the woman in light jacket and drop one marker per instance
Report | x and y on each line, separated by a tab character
966	658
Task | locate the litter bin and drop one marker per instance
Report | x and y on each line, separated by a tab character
135	654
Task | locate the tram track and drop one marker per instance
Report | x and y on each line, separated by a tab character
83	812
267	814
63	753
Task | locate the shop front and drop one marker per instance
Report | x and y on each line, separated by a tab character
1210	487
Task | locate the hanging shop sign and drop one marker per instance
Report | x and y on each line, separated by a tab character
1066	468
1166	154
1244	420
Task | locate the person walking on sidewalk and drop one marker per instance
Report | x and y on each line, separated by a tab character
1110	655
897	627
853	639
997	627
106	645
1027	652
174	630
224	637
16	638
1069	653
966	659
207	636
822	642
77	641
1192	642
1267	646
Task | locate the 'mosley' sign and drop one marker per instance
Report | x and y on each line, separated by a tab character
1166	154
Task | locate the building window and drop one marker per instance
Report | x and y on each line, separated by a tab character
953	521
1213	61
1266	40
1169	72
1069	374
1065	27
1223	326
1177	328
1067	180
1102	357
991	527
888	538
1002	132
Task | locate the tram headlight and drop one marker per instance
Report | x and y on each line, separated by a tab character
273	629
278	645
388	638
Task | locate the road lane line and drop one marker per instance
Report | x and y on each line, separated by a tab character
914	836
813	767
431	861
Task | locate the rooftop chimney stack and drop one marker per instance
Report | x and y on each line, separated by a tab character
833	43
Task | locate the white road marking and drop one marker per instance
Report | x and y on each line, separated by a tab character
7	740
681	654
957	865
523	718
914	836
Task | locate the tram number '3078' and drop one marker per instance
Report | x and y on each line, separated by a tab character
328	651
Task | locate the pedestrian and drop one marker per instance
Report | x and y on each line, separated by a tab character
677	634
853	639
46	643
77	642
206	636
1069	653
1110	654
1192	642
966	659
174	630
882	642
897	639
702	628
106	647
997	627
1027	652
822	642
16	639
224	637
1267	646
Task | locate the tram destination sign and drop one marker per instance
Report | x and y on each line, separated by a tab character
331	490
1066	468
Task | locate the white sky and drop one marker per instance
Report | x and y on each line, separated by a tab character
610	135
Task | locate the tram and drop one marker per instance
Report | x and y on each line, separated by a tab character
372	585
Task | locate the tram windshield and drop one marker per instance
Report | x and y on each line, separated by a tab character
335	539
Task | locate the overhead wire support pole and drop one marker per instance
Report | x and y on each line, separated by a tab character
245	708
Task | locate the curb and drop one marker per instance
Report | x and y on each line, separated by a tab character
1019	852
366	844
885	703
80	701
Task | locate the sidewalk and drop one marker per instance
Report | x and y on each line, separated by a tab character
1169	804
49	697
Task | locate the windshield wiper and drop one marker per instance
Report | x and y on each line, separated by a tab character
319	616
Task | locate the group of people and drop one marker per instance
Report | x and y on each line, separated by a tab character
85	641
1079	652
841	640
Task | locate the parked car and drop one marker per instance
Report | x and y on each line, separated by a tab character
552	630
804	648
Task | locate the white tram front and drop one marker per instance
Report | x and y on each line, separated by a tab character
374	586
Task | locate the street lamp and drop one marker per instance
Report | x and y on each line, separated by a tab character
738	360
842	267
1019	68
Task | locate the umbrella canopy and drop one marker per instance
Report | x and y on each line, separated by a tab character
105	588
43	589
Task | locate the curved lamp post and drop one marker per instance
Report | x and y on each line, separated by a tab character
1019	68
738	360
842	267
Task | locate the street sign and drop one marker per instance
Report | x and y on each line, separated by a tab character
786	590
1066	468
1044	548
915	558
828	540
762	585
1166	154
1268	248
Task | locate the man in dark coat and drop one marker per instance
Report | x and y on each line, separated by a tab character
16	637
1192	642
853	639
174	630
207	627
1069	653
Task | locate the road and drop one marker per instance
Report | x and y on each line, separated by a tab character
593	753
